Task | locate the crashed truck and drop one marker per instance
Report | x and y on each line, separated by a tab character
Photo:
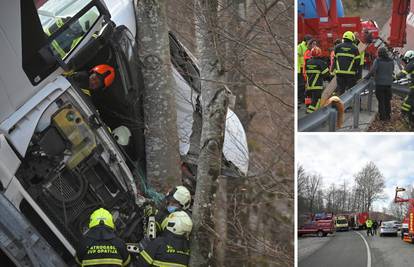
58	158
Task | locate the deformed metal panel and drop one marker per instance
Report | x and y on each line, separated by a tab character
21	242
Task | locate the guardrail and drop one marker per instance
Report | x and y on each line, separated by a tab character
328	114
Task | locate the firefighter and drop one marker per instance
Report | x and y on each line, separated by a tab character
332	55
406	107
179	199
65	42
316	70
382	70
98	78
172	247
368	224
361	61
301	49
307	55
100	246
346	59
375	227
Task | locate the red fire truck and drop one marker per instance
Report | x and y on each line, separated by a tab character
407	233
358	220
328	26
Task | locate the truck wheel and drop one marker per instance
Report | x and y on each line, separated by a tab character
320	234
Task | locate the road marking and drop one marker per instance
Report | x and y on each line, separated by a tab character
368	250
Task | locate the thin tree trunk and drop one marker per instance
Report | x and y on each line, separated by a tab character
214	100
221	222
161	139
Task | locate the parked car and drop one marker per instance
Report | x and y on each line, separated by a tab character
389	228
320	228
341	223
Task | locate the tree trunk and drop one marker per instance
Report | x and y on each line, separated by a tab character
214	99
220	216
161	139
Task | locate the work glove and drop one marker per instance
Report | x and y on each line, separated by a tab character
150	210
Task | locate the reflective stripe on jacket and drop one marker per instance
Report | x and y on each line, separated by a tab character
100	246
316	69
167	250
346	55
408	71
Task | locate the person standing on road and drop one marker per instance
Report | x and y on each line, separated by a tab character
383	70
301	49
369	223
375	227
345	63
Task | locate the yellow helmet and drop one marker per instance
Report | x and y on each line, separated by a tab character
103	215
349	35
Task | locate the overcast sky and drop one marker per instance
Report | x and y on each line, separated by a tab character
338	157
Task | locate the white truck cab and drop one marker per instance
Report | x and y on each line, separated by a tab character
58	158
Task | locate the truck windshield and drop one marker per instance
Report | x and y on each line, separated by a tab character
341	221
53	14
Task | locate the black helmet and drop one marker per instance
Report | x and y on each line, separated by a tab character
307	38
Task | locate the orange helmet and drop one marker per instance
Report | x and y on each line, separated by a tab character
316	52
106	72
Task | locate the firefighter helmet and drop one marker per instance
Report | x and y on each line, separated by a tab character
122	135
179	223
182	195
409	55
349	35
106	72
316	52
101	216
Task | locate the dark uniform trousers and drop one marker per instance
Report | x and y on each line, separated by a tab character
101	247
167	250
344	82
384	94
346	62
316	71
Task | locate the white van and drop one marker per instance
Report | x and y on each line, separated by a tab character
58	159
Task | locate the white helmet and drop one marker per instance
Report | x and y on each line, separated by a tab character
179	223
408	55
182	195
122	135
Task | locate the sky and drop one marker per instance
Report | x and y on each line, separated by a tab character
338	157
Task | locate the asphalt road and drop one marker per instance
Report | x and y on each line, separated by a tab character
346	249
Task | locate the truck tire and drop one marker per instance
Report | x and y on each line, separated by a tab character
320	233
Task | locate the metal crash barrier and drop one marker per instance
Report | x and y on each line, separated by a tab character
328	115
